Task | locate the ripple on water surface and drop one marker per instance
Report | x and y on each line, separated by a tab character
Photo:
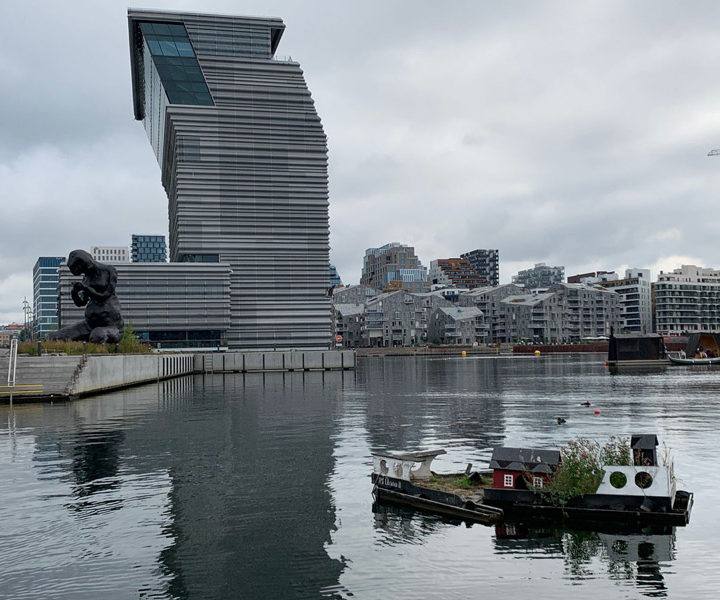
258	485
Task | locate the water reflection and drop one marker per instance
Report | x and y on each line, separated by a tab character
258	485
636	558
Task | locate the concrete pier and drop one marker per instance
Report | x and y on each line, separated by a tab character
49	378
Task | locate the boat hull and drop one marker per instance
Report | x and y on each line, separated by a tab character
694	361
528	505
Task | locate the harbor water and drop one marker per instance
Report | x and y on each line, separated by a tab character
258	485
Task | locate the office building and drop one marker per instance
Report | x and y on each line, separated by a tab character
393	267
148	248
45	295
687	300
170	305
487	264
540	276
110	254
455	272
243	159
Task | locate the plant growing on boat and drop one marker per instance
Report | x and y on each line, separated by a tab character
581	467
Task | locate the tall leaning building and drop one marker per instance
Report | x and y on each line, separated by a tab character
243	159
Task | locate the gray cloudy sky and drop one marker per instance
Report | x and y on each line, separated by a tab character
572	133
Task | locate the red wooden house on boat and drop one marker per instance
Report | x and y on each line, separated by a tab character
520	468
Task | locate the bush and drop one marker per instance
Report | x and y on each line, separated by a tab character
129	344
581	467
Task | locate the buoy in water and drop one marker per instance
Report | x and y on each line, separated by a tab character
605	364
464	353
597	411
537	352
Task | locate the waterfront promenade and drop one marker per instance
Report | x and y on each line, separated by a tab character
50	378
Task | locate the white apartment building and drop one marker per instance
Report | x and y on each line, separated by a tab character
635	292
109	254
687	300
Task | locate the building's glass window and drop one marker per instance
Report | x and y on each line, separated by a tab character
508	480
537	482
176	64
199	258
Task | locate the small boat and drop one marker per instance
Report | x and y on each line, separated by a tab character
678	360
642	493
703	348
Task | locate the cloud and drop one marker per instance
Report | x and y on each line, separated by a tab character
574	134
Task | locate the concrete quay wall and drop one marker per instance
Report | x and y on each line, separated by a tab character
42	378
106	372
286	360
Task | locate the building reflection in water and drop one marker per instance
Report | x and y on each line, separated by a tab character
250	511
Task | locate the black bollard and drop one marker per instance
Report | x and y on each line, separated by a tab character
39	348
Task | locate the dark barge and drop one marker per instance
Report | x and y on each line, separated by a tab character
640	494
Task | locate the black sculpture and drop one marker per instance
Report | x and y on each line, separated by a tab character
103	321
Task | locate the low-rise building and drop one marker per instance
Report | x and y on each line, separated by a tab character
456	325
349	324
110	254
400	318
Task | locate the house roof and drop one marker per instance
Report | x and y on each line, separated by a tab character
349	309
646	441
461	313
533	460
528	299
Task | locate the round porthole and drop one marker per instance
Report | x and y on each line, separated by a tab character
618	479
643	480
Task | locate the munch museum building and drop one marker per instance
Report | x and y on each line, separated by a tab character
243	160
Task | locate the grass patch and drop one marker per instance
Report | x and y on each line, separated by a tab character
129	344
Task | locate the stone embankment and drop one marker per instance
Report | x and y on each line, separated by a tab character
62	377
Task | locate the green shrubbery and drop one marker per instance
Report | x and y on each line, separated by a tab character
129	344
581	467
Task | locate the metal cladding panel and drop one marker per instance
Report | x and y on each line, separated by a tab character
163	296
247	180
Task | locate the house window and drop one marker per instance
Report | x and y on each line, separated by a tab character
537	482
508	480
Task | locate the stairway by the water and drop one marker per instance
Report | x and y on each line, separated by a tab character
55	373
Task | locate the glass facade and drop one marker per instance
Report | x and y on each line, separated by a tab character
45	295
176	64
149	248
334	277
